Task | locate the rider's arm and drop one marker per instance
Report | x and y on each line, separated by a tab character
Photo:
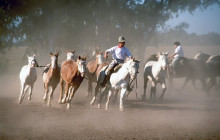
111	50
172	55
128	53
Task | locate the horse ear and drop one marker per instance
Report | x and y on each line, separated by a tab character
79	57
51	54
85	58
73	51
167	53
159	53
34	55
57	54
27	55
67	51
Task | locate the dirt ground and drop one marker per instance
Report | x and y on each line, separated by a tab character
183	115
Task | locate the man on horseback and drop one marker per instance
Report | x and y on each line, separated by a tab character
119	54
177	55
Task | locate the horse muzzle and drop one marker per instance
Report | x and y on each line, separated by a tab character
83	74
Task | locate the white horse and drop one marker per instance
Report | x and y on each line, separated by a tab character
28	76
155	71
120	81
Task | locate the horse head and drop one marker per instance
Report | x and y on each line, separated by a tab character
163	60
81	62
32	61
133	66
70	55
99	58
54	59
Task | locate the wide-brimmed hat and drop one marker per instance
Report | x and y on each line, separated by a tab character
176	43
121	39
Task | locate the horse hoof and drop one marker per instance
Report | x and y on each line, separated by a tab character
91	103
68	106
19	101
121	109
99	106
29	98
106	108
59	102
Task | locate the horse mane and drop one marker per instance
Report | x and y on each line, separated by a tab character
152	57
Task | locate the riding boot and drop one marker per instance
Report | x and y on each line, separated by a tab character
105	79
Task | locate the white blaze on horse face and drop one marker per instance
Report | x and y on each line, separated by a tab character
163	61
53	62
82	67
133	68
70	56
100	58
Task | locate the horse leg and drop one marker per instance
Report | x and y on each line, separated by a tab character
152	91
45	91
123	91
95	96
145	87
89	90
163	91
185	82
71	95
30	92
102	94
21	96
115	96
61	90
50	96
108	99
66	93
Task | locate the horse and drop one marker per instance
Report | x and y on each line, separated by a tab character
51	77
72	73
118	81
201	56
213	64
155	71
92	67
190	69
28	76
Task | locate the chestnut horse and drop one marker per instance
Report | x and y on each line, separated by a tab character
51	77
72	73
92	68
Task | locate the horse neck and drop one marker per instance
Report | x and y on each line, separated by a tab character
156	68
123	71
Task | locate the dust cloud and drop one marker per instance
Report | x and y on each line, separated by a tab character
183	114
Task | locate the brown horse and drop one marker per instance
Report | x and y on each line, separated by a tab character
72	73
51	77
92	68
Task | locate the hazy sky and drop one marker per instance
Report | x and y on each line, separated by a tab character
200	22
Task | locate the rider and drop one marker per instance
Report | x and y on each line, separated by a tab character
119	54
178	55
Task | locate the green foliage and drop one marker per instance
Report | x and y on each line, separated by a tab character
76	23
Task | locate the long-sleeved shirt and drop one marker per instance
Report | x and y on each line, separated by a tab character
179	52
119	53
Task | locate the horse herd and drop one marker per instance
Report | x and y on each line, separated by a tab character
72	72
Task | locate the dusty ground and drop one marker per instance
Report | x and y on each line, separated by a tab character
182	115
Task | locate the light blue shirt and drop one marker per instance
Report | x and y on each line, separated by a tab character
119	53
